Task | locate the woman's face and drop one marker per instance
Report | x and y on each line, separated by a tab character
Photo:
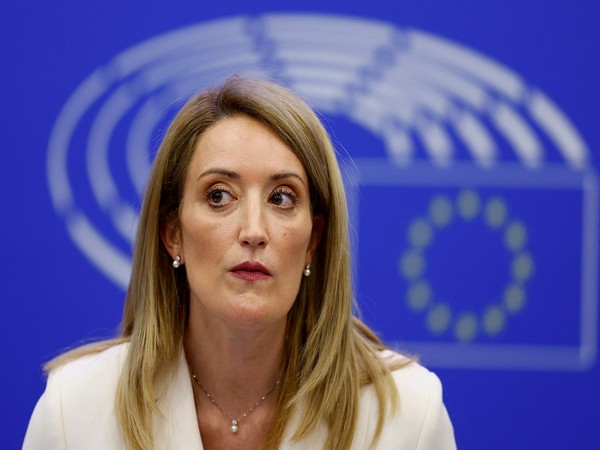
246	230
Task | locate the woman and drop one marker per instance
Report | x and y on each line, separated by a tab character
238	330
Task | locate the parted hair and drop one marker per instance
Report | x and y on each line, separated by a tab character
329	353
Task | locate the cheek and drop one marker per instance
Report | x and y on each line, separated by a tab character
202	238
295	243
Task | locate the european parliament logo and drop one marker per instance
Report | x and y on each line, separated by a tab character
473	201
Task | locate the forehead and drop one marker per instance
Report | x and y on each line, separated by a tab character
241	143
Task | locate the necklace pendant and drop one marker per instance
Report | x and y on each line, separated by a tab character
234	426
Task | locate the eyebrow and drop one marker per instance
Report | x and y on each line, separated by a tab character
284	175
236	176
217	171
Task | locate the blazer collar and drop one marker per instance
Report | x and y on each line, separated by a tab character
178	426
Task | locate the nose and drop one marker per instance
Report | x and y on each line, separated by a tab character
253	227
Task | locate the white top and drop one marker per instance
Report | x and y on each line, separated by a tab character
76	411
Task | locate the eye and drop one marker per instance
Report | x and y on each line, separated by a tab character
283	197
218	197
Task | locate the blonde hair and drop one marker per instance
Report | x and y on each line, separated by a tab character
330	354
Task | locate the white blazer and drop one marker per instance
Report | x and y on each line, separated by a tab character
76	411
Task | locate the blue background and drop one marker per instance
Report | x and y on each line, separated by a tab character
53	297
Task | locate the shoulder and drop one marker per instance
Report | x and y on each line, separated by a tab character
413	381
421	420
90	365
93	364
89	378
79	401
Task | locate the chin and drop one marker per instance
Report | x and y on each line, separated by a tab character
256	315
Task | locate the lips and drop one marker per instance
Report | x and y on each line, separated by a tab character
250	271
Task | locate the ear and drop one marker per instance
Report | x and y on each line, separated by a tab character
315	237
171	237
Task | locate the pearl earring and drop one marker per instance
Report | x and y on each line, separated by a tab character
177	262
307	270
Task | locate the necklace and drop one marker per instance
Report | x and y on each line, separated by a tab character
235	422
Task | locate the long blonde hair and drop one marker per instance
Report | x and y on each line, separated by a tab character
330	354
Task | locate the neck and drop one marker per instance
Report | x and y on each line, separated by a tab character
237	366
